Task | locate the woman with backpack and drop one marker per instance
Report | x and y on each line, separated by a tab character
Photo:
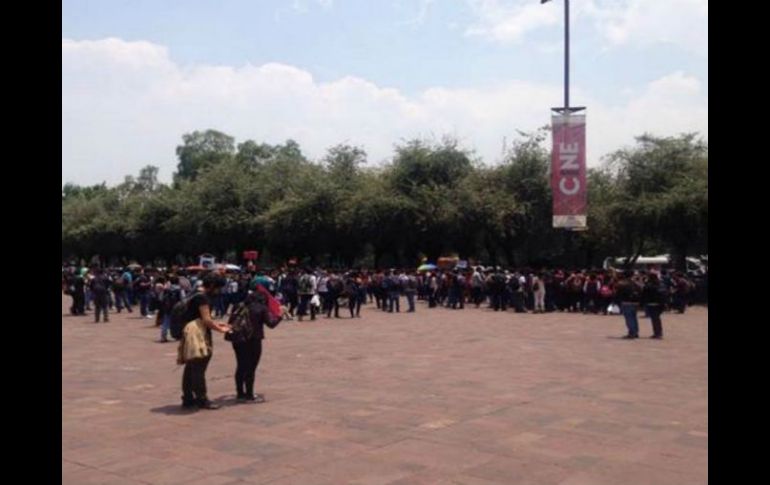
247	322
198	312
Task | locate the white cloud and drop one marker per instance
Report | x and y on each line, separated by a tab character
671	105
505	22
683	23
127	104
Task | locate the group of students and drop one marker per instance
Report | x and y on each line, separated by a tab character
300	293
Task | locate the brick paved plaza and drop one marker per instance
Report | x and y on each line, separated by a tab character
469	397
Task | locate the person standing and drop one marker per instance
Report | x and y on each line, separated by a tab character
432	289
171	296
79	292
627	292
142	287
247	346
100	292
653	298
538	291
394	292
198	312
477	286
306	289
410	290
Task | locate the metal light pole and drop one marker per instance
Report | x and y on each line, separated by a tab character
566	108
568	159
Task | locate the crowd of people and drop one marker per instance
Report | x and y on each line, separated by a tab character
312	292
309	292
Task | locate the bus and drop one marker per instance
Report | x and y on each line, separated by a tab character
664	261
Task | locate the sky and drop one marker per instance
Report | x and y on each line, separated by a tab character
138	74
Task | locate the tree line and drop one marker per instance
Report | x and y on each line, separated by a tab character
431	199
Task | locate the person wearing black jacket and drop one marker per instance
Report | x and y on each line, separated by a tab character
627	294
248	348
653	298
100	289
79	293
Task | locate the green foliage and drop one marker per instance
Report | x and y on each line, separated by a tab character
433	199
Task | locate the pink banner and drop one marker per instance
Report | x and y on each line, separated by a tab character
568	171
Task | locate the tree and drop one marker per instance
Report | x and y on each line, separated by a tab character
253	155
200	151
662	193
147	182
344	163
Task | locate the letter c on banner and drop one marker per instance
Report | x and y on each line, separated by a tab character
575	186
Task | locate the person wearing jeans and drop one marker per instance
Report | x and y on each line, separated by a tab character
394	292
628	295
629	310
653	297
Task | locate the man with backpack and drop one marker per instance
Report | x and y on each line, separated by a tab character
171	296
120	288
100	291
142	286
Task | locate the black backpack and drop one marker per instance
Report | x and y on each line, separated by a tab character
100	285
305	284
514	284
178	312
242	329
171	297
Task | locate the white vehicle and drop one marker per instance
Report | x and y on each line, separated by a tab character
664	261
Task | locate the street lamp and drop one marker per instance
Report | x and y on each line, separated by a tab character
566	109
568	157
